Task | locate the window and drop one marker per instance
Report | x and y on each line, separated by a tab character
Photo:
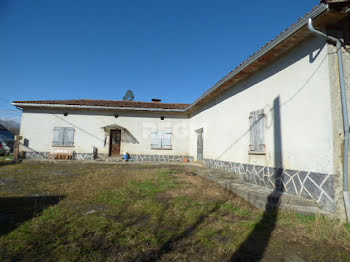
256	123
161	140
63	136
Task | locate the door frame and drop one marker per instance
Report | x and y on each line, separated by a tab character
110	141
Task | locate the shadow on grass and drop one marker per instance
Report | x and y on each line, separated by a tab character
16	210
253	248
168	246
12	162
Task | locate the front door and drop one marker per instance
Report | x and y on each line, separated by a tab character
200	145
114	146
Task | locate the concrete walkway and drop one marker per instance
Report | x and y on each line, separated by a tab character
260	197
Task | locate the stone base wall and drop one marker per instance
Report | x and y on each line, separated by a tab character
87	156
161	158
36	155
46	155
315	186
135	157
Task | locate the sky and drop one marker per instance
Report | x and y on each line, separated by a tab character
98	49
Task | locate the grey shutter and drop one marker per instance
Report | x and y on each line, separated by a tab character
57	136
68	137
199	146
252	129
260	132
166	140
156	142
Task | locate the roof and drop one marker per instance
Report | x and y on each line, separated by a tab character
280	45
106	104
322	15
5	134
335	1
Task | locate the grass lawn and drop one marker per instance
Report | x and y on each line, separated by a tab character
97	212
6	158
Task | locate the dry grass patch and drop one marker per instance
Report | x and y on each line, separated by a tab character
145	213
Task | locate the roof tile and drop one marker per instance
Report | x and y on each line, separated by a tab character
107	103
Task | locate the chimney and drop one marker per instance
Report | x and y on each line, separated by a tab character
156	100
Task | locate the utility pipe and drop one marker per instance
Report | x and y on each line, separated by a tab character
345	112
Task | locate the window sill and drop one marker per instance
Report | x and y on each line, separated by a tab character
161	149
256	153
61	146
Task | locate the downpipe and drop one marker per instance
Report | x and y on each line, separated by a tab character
345	113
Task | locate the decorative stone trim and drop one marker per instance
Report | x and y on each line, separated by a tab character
46	155
36	155
160	158
87	156
136	157
83	156
311	185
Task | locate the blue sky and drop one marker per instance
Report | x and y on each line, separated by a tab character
173	50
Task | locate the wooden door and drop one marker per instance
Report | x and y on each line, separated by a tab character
114	145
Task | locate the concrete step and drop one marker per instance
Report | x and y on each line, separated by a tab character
259	196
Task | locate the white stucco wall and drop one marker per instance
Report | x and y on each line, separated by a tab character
300	80
337	122
37	126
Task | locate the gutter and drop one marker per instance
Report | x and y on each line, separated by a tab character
345	113
296	27
99	107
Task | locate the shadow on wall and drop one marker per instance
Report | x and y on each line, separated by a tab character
127	137
28	149
78	127
16	210
232	93
313	57
306	49
253	248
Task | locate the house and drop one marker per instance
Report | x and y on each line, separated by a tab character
6	136
277	119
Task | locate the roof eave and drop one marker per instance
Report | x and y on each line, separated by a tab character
96	107
300	24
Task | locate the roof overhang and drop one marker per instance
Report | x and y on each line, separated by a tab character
108	108
323	17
